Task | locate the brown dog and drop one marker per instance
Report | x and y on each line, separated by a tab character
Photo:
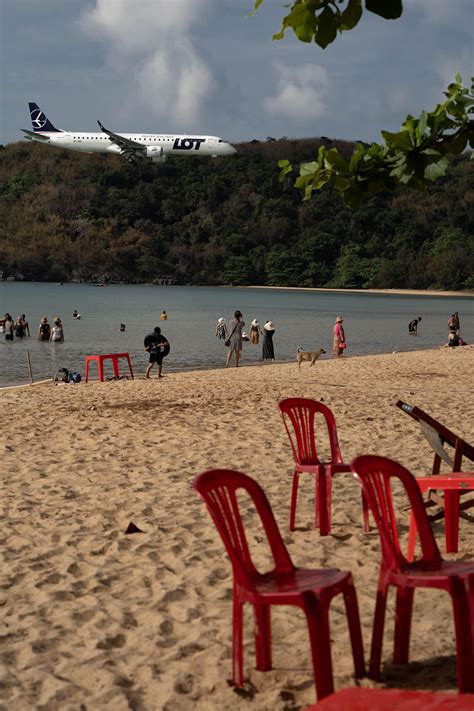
312	356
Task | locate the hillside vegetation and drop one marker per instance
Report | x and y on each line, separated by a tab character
67	216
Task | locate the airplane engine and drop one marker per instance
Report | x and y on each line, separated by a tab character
156	154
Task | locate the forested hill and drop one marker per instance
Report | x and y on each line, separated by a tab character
67	216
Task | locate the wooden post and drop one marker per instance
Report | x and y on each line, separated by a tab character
29	366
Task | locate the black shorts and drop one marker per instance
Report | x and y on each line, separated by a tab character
9	336
156	358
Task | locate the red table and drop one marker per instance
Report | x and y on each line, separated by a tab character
452	485
360	699
114	357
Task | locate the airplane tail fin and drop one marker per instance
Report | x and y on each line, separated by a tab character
40	121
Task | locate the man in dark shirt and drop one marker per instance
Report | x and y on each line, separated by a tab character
158	347
413	326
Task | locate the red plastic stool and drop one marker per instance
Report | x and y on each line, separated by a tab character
360	699
114	357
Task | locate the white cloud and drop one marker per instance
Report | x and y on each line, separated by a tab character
301	92
156	36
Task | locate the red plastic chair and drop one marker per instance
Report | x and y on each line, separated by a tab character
430	571
300	413
362	699
310	589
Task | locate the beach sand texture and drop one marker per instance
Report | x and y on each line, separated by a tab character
93	618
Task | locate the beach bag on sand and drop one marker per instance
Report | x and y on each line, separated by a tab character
62	376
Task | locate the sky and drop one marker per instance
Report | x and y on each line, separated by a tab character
207	66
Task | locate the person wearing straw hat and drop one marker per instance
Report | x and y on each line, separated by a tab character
268	352
339	338
255	332
221	328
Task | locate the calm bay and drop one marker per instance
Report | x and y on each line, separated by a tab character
374	323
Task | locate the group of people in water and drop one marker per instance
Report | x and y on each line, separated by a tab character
20	328
454	330
11	328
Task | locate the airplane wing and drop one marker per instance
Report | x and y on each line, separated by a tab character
127	146
34	136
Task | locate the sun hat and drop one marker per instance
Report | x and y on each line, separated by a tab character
221	320
339	319
269	326
255	322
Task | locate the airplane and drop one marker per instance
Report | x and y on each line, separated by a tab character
132	146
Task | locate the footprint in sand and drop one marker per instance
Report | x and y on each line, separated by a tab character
184	684
113	642
85	616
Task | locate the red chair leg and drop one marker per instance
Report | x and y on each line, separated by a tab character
100	368
464	642
403	617
412	533
318	628
263	637
355	632
87	370
294	496
237	643
365	513
377	632
322	503
451	520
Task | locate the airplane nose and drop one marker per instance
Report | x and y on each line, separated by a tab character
230	149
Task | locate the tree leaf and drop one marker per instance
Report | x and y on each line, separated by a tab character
436	170
389	9
351	15
326	28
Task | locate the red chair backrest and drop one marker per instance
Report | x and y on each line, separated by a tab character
375	475
218	488
300	413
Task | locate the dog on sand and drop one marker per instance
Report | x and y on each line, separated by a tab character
312	356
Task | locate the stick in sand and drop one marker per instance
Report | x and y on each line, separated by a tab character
29	366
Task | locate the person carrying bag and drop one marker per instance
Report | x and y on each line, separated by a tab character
234	342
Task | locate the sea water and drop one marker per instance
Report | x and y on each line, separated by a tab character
373	323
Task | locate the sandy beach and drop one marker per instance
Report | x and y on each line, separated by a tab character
395	292
94	618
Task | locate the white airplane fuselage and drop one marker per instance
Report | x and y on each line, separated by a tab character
155	145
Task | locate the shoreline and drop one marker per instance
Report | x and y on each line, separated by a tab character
325	290
389	292
217	368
